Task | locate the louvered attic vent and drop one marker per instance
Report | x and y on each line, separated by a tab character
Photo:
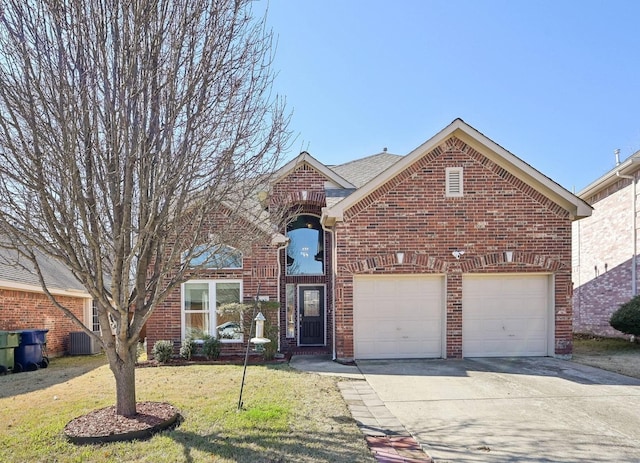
454	182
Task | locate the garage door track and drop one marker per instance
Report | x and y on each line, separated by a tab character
511	410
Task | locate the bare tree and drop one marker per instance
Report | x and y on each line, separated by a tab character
125	125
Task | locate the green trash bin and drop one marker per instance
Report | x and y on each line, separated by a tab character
9	340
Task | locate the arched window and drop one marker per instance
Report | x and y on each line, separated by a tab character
305	252
217	257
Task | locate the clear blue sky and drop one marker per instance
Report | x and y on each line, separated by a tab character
557	83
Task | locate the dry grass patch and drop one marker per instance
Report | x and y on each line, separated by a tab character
611	354
287	415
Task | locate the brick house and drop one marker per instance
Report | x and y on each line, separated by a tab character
457	249
605	249
23	304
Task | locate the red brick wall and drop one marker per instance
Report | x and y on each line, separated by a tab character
26	310
411	214
303	186
259	268
303	190
602	261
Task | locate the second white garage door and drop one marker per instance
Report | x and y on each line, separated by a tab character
505	315
398	316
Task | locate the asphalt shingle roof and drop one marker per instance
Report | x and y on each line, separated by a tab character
16	269
361	171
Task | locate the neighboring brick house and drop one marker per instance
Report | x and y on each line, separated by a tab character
605	249
23	304
457	249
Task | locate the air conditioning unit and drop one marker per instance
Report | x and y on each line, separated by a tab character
80	343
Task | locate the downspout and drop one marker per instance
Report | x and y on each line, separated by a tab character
334	254
634	281
280	248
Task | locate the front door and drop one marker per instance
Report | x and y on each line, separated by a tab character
311	316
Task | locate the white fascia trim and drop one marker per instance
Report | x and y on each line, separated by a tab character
313	162
471	136
278	239
328	220
395	169
627	167
13	286
337	211
550	188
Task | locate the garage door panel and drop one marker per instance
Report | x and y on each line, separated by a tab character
505	315
398	316
393	349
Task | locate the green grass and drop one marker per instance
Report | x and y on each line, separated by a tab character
286	416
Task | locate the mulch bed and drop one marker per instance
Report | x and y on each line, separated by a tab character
222	360
104	425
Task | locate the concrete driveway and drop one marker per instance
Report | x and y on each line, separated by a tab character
511	410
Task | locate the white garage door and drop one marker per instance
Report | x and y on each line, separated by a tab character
505	315
398	316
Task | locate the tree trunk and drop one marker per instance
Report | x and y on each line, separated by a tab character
124	369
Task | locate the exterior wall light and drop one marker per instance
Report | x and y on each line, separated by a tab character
457	254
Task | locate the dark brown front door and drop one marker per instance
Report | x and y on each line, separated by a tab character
311	315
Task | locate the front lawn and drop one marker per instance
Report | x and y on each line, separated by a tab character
612	354
288	416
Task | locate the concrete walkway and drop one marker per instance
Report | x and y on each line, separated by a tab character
387	438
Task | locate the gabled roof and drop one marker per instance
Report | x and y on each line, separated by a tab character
463	131
304	157
361	171
17	273
628	167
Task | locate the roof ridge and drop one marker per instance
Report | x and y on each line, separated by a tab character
365	157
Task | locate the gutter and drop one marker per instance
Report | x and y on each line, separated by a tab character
334	254
30	288
283	244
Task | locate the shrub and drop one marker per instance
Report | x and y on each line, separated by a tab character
627	317
162	351
187	348
270	348
189	345
211	347
141	350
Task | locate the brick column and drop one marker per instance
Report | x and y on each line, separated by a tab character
454	315
563	315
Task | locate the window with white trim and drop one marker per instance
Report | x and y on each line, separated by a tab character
212	307
95	322
454	182
290	308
